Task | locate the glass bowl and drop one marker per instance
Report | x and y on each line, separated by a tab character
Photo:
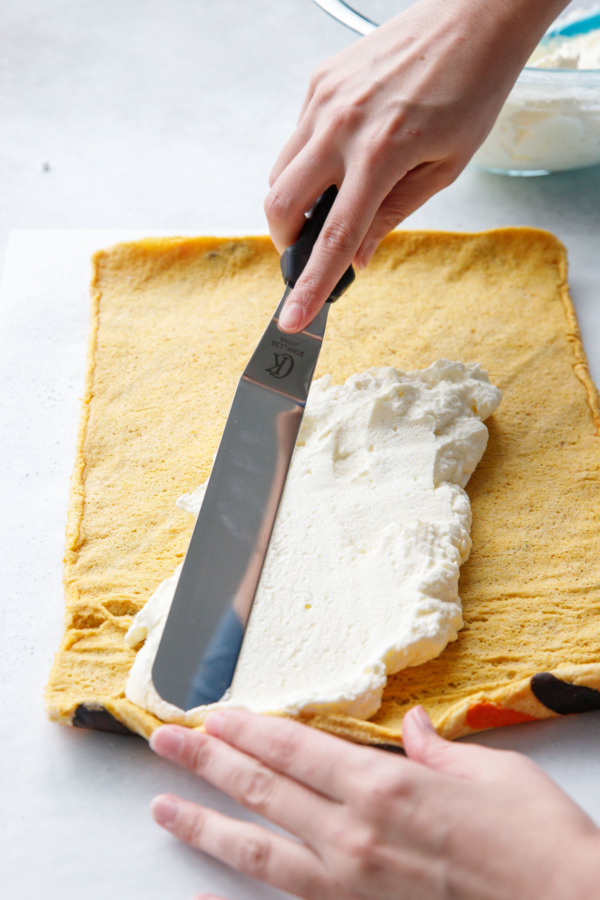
549	123
551	119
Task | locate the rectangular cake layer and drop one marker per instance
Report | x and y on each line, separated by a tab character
173	323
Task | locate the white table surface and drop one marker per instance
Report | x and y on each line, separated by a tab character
161	118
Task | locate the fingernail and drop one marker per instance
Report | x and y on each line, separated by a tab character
164	810
291	316
214	723
167	742
421	719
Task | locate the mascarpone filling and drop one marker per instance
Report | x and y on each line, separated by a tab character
361	575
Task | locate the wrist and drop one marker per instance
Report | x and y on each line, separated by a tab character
524	21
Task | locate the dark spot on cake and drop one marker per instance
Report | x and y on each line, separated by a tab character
562	697
99	719
390	748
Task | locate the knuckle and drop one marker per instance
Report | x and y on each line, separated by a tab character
347	117
319	80
253	856
397	139
277	205
399	125
398	785
281	749
357	850
320	72
389	221
338	237
257	787
315	80
363	846
380	792
372	802
199	755
323	97
396	210
375	154
451	172
308	288
192	829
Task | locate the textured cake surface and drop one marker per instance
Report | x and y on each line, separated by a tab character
173	322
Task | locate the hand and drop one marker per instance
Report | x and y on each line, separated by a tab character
452	820
390	121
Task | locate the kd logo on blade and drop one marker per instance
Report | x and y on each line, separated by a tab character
283	366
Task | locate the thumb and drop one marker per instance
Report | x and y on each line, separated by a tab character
422	744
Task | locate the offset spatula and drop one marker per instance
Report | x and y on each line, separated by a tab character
202	639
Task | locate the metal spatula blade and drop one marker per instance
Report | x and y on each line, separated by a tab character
202	638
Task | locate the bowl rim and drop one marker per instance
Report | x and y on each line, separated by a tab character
557	74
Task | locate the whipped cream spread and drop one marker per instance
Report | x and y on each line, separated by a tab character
361	575
550	125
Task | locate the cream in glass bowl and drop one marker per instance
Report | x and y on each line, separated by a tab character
551	119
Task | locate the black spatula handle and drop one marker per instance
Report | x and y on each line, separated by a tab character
296	256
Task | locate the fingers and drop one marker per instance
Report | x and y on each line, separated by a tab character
294	193
422	744
320	761
404	199
256	786
252	850
305	128
342	234
290	150
366	209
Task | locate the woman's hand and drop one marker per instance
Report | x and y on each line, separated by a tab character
452	820
390	121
